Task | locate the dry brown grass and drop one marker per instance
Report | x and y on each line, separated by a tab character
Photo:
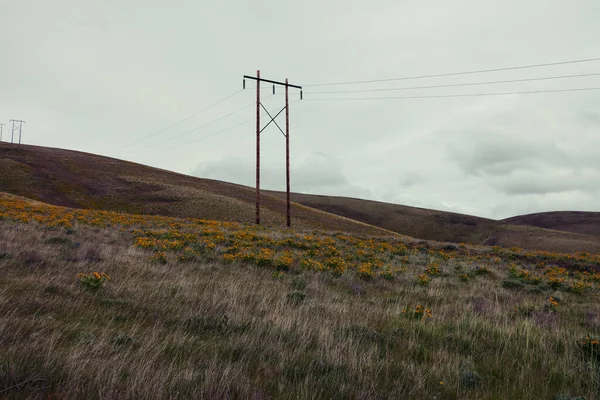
210	330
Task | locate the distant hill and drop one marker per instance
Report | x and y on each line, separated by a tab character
585	222
449	227
412	221
82	180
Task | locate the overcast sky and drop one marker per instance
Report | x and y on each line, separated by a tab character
100	75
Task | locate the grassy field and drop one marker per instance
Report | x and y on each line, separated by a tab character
205	309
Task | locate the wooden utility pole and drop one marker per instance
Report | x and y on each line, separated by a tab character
287	155
259	130
258	147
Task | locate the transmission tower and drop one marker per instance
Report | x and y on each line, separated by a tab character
17	125
287	85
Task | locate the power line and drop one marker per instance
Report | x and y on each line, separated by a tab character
214	134
201	126
457	95
457	84
206	137
458	73
184	119
205	125
17	126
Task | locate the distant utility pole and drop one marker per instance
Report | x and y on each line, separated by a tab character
17	125
286	134
1	126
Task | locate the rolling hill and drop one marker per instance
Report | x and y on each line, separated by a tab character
452	227
82	180
416	222
584	222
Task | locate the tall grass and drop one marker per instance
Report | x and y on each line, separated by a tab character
209	329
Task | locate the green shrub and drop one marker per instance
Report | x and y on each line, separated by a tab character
57	240
468	377
591	349
93	281
361	333
563	396
422	280
512	284
207	324
121	339
299	283
296	297
478	270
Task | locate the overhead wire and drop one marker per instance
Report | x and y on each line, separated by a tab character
206	137
183	119
456	84
200	126
208	123
384	89
197	128
456	95
216	133
455	73
309	98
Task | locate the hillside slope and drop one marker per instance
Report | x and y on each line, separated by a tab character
585	222
82	180
413	221
446	226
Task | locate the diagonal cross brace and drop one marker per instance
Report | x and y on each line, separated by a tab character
287	85
272	119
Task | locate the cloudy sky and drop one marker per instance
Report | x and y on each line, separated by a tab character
107	76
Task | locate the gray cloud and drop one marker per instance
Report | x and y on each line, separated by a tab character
98	75
316	174
411	178
529	165
496	154
545	182
589	118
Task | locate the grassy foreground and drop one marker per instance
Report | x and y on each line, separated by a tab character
201	309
